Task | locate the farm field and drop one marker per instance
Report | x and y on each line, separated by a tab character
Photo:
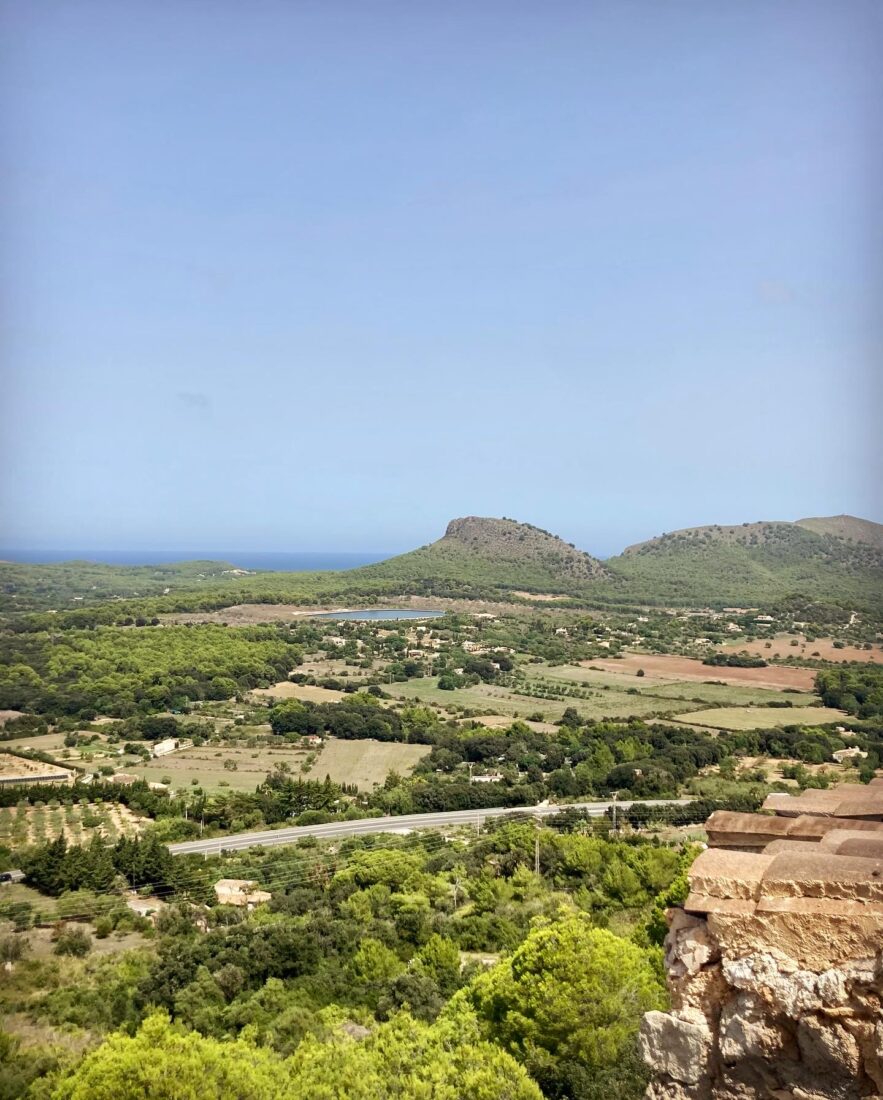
753	718
504	701
362	763
17	768
670	667
662	688
35	823
366	763
821	649
205	764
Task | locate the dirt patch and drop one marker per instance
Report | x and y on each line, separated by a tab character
312	694
667	666
15	769
540	597
821	649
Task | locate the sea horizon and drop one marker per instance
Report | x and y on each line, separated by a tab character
274	561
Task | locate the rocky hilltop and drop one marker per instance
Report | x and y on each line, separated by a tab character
482	554
505	540
775	961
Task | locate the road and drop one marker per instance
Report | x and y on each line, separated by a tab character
405	823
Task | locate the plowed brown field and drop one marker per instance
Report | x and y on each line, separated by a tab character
667	666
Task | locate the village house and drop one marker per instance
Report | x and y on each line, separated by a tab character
491	777
241	892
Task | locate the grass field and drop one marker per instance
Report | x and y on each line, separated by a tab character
755	718
366	763
595	693
500	700
362	763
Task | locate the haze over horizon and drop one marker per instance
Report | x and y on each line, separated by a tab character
326	276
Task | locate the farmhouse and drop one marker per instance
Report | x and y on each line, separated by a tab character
241	892
848	754
170	744
491	777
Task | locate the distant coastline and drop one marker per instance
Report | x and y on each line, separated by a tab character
273	561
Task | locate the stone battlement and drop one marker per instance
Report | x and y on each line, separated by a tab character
775	961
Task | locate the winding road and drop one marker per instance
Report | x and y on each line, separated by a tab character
405	823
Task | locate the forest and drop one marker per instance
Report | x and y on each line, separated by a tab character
431	951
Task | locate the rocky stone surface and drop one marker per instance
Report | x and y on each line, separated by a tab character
775	967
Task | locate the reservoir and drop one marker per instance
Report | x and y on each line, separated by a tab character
373	614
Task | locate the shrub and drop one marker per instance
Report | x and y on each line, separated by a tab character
73	941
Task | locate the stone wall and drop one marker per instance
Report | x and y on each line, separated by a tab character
775	962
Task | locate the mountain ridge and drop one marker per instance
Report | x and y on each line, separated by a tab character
712	565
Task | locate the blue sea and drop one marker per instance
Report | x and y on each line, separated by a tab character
274	561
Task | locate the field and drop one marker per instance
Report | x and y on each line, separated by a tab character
366	763
496	700
286	690
34	823
669	667
710	690
603	689
755	718
363	763
16	768
821	649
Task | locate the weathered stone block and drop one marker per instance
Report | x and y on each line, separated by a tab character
678	1046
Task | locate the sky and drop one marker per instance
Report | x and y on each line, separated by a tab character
322	276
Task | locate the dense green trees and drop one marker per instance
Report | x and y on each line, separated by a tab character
401	1060
122	672
856	689
567	1003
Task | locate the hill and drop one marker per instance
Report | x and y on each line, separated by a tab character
495	553
751	563
850	528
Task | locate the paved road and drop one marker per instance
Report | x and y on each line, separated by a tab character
404	823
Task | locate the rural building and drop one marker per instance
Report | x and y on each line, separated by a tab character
848	754
314	739
241	892
145	907
170	744
491	777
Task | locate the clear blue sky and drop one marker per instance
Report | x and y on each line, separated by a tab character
314	276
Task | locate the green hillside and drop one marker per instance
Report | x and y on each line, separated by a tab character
753	563
32	586
497	553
